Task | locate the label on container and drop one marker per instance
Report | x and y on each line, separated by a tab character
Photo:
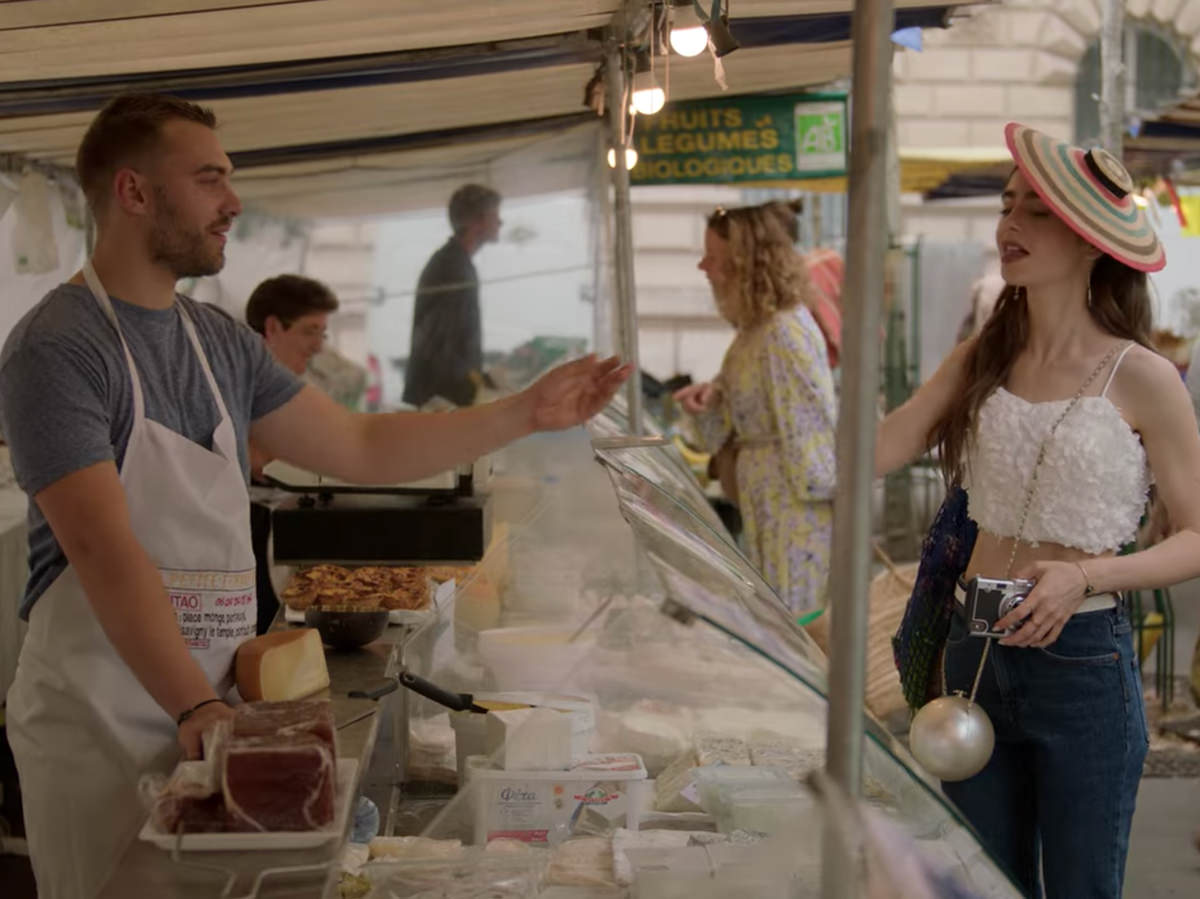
615	764
544	812
525	836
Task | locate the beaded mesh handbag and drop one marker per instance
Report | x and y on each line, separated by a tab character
917	645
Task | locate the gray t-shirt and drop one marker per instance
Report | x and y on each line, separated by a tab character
66	399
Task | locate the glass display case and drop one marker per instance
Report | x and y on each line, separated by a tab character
697	706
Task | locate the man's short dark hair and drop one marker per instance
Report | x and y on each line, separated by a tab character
123	132
470	202
287	297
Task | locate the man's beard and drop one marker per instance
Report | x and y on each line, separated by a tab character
185	252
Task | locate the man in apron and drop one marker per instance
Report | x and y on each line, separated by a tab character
128	409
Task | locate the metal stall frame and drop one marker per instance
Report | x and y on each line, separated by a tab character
866	246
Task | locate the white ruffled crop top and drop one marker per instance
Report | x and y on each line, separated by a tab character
1093	484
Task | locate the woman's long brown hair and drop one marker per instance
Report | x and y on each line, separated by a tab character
1120	305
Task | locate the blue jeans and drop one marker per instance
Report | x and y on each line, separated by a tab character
1071	738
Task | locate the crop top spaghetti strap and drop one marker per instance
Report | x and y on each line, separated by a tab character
1094	480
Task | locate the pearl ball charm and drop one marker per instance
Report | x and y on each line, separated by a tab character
952	738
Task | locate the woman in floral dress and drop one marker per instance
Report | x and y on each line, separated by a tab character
774	397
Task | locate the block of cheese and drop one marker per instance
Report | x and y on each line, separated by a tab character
529	739
281	665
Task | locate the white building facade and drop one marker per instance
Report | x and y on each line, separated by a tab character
1037	63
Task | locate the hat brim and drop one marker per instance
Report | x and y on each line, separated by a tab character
1059	173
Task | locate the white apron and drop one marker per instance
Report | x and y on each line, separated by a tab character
82	728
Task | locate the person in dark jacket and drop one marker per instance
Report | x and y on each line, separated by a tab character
446	358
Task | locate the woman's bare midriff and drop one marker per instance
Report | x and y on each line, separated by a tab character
991	555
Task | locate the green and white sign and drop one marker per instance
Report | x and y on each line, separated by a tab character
743	139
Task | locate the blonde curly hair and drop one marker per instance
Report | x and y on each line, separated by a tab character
769	276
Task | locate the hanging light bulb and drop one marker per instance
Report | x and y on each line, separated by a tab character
688	35
631	158
648	97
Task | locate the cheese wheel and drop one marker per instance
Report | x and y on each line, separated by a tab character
281	665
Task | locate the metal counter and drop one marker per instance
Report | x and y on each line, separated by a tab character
146	869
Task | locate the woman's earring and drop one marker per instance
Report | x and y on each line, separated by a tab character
1089	295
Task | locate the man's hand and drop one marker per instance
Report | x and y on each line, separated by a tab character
697	398
191	732
571	394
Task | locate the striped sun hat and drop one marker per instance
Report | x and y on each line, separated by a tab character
1090	191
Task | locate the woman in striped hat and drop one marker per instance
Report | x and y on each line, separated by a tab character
1056	419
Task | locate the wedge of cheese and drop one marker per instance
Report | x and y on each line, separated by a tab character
281	665
529	739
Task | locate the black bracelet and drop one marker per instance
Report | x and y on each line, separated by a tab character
183	716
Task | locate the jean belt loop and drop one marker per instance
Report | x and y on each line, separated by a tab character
1121	613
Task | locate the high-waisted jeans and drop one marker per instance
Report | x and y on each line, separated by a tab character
1071	738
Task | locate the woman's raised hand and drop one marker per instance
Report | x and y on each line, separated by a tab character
697	398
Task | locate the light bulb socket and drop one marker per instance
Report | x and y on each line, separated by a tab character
644	81
684	15
648	96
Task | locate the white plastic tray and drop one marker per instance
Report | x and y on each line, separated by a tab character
411	617
292	839
395	616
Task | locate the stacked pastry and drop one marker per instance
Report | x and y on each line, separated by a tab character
370	587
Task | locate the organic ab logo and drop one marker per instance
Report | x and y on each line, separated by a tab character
818	134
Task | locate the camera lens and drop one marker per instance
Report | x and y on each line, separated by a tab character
1008	604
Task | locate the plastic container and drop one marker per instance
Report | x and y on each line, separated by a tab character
532	658
716	872
470	728
741	797
542	807
717	784
795	816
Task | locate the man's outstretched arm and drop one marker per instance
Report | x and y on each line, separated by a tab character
315	433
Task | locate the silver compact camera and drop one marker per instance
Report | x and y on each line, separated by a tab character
990	599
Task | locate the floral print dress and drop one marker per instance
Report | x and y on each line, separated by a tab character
777	399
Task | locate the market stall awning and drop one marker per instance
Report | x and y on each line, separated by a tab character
927	170
344	80
1168	144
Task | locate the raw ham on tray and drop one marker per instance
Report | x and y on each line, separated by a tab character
272	767
292	718
279	783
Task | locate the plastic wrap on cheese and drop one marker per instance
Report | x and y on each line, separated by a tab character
399	848
587	861
672	781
